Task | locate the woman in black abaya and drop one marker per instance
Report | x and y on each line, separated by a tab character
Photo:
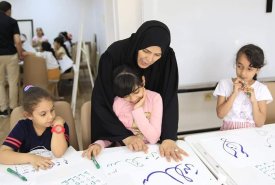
148	50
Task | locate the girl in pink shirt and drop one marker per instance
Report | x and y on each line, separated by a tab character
139	109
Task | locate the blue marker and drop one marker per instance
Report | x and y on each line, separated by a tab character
11	171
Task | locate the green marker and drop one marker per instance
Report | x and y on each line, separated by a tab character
11	171
95	162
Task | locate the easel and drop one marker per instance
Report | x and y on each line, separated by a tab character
81	49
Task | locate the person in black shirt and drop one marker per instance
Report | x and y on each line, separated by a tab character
10	46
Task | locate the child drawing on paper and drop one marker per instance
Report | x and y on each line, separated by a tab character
242	100
41	128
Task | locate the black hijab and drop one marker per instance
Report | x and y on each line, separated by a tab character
162	77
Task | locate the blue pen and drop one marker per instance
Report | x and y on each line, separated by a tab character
95	162
11	171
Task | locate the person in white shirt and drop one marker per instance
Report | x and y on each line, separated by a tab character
242	100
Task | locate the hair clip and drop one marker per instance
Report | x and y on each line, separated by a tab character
27	87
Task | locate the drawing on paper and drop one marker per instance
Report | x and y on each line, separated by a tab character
233	148
136	161
267	168
84	178
27	169
181	170
269	138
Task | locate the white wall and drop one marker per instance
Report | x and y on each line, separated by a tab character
56	15
206	35
129	17
115	20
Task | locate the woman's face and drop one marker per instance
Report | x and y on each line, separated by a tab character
148	56
39	32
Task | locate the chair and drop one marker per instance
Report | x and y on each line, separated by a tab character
62	109
35	73
85	119
270	114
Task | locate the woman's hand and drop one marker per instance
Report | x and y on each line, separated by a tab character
40	162
135	143
169	149
93	150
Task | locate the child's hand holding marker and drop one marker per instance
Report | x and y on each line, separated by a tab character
246	89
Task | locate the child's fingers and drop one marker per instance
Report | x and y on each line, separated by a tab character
130	147
145	148
95	152
136	147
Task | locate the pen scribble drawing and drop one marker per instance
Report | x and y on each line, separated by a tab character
233	148
267	168
182	172
26	169
136	161
83	178
269	138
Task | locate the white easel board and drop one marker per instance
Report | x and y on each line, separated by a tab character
243	156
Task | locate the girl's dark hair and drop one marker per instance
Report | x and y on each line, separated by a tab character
46	46
254	55
33	95
60	41
64	34
126	80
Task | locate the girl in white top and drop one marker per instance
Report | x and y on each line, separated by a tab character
242	100
62	55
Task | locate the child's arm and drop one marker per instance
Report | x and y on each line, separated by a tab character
150	127
259	112
10	157
59	144
224	104
258	108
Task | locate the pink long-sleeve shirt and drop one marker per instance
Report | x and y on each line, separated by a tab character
144	121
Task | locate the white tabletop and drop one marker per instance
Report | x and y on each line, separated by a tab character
242	156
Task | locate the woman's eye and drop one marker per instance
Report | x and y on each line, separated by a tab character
145	50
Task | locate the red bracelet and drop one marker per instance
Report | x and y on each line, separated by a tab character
58	129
